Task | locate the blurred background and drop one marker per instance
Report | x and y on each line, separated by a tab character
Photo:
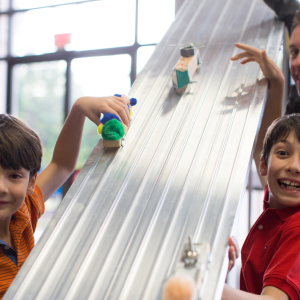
54	51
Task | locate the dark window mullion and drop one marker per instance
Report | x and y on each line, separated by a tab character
65	55
12	11
67	108
134	52
9	64
68	89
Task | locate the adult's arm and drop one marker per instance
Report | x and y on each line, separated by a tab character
273	105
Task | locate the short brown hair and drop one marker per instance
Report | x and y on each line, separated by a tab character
296	20
20	146
278	131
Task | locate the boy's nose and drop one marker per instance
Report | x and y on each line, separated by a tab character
294	165
3	186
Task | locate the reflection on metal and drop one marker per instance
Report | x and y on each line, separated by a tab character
189	272
120	230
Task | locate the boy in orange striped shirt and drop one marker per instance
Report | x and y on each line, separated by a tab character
22	192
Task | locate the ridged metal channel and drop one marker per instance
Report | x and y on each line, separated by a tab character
119	231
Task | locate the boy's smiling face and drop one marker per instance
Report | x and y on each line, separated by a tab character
283	172
14	186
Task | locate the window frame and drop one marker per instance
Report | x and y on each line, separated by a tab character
67	56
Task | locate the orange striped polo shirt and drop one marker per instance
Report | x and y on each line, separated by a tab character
22	228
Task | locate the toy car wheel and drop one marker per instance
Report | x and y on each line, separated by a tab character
188	51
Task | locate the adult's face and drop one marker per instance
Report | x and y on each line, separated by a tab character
295	57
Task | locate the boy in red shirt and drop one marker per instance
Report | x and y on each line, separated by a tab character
22	192
271	252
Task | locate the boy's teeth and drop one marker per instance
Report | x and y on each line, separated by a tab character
290	185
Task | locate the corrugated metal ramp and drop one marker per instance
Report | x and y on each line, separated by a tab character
120	229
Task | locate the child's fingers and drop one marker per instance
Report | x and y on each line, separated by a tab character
124	105
122	112
233	243
232	253
236	246
122	98
232	257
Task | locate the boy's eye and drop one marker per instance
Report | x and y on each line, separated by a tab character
15	176
281	152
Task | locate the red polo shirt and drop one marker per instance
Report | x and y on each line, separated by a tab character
271	252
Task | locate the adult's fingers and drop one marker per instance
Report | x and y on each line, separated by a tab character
248	48
241	55
247	60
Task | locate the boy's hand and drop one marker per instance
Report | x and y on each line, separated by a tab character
67	147
92	107
233	252
270	70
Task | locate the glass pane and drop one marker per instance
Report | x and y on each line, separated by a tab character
143	55
154	19
4	5
38	99
3	76
90	26
98	76
3	35
25	4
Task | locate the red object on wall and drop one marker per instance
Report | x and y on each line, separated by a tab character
62	39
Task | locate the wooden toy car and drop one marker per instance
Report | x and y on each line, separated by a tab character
186	67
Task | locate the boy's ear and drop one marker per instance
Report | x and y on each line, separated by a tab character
262	167
31	185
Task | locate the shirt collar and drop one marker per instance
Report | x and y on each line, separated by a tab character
283	213
3	243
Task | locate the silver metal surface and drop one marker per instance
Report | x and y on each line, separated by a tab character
119	231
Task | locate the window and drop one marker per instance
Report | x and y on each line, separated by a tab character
108	43
27	4
3	35
3	72
89	24
38	99
4	4
98	76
